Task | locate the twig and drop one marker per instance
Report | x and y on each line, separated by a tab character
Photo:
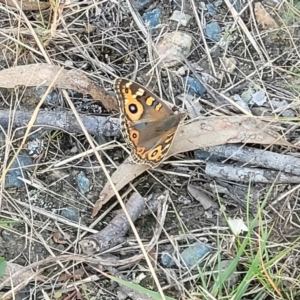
63	120
243	174
257	157
116	230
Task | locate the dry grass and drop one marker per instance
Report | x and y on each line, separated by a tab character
108	39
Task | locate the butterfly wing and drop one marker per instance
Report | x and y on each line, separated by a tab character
148	124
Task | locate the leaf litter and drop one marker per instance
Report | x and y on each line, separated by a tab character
97	51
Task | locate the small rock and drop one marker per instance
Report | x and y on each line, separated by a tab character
182	70
52	98
202	5
194	253
18	169
259	98
70	213
286	112
173	47
180	17
194	87
167	260
69	63
213	31
152	18
35	147
211	9
83	183
247	95
190	255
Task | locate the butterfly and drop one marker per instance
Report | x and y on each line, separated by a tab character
148	125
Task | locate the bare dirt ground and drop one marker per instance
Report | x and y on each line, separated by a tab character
218	218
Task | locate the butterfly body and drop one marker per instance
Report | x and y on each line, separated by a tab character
147	123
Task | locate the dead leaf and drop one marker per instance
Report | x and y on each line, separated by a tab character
263	18
208	132
61	238
24	277
77	274
237	226
202	197
42	75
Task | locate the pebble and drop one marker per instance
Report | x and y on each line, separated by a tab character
259	98
194	86
287	113
180	17
211	9
263	17
52	99
173	47
190	255
167	260
70	213
83	183
247	95
18	170
182	70
194	253
152	18
213	31
35	147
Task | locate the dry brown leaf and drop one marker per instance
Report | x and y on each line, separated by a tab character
42	75
202	197
61	238
200	134
263	18
27	5
24	277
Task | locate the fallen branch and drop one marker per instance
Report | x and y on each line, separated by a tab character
259	158
64	120
114	233
244	174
